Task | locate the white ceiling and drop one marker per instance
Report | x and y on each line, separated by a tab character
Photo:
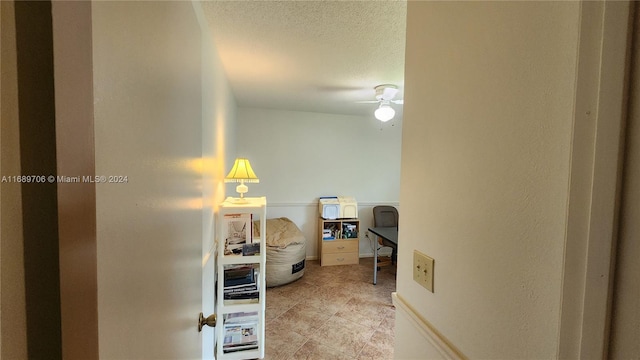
316	56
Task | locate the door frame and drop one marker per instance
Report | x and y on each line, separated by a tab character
595	176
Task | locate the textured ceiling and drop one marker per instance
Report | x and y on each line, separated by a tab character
318	56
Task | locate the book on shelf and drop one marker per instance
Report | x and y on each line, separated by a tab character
237	232
239	291
349	230
327	234
241	284
241	274
251	249
240	331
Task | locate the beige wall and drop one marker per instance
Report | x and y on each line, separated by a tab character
310	154
307	155
13	328
485	165
150	115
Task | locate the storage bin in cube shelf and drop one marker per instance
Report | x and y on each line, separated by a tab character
348	207
338	207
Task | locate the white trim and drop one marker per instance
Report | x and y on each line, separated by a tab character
315	204
384	252
428	331
293	204
374	203
594	178
607	170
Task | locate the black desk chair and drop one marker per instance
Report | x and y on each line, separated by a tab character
387	216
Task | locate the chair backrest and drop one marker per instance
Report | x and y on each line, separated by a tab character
385	215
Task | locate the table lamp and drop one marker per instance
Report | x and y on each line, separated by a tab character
241	172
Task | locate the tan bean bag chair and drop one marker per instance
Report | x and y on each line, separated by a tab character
286	251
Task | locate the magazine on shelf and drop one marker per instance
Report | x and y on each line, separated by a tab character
241	284
237	231
240	331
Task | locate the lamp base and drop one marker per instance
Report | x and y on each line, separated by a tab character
240	189
240	200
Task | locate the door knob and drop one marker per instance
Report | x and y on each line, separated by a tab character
209	321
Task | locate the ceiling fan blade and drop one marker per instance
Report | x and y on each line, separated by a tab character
367	102
389	92
399	102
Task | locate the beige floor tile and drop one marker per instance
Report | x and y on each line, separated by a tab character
282	344
302	319
296	289
364	312
388	325
313	350
332	312
343	335
277	305
378	347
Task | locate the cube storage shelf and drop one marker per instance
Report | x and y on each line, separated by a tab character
240	316
339	241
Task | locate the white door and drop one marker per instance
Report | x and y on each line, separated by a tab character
154	230
208	286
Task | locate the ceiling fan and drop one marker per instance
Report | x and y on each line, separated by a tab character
384	96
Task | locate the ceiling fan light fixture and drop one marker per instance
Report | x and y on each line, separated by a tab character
384	113
386	91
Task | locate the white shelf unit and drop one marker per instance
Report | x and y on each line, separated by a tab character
257	207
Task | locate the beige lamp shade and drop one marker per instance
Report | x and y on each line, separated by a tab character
242	172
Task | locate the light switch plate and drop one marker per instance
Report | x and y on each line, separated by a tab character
423	270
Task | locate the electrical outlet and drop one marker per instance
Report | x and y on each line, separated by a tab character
423	270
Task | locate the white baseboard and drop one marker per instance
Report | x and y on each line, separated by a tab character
441	344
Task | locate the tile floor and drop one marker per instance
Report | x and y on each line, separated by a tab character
332	312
